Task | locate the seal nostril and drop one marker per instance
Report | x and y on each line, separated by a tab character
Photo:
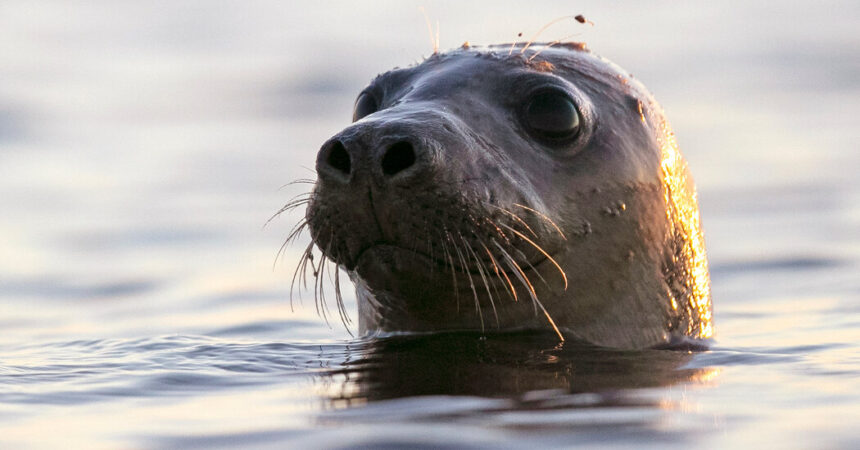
398	157
339	158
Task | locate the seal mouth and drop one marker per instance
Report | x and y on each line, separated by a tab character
449	265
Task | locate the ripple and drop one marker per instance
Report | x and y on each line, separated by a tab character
790	264
760	355
92	370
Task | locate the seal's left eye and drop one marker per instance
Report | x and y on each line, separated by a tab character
552	114
365	105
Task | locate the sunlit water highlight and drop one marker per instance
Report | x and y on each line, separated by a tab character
142	145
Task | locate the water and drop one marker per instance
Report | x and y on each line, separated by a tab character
142	147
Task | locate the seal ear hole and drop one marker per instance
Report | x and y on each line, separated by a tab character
552	114
398	158
338	158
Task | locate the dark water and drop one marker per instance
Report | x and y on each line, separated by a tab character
142	147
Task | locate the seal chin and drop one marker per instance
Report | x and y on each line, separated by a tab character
400	271
395	257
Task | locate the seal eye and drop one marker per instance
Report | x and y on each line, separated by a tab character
365	105
552	114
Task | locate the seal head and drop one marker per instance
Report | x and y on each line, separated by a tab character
538	188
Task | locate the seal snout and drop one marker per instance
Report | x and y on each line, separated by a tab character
377	180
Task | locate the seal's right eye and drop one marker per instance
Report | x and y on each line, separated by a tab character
552	114
365	105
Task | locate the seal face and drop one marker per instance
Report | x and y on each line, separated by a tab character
535	188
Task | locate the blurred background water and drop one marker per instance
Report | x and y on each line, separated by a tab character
143	145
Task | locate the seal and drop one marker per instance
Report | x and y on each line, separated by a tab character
531	186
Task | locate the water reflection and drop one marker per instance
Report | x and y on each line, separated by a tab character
497	366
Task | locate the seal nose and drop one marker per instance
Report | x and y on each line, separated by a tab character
397	158
343	159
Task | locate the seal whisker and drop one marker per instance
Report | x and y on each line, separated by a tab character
314	273
299	181
299	196
471	284
518	272
297	230
430	245
453	269
540	249
341	308
302	262
498	230
521	255
545	218
319	291
484	265
283	210
302	199
294	234
515	217
501	273
531	267
308	260
475	221
288	207
480	266
294	202
523	278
